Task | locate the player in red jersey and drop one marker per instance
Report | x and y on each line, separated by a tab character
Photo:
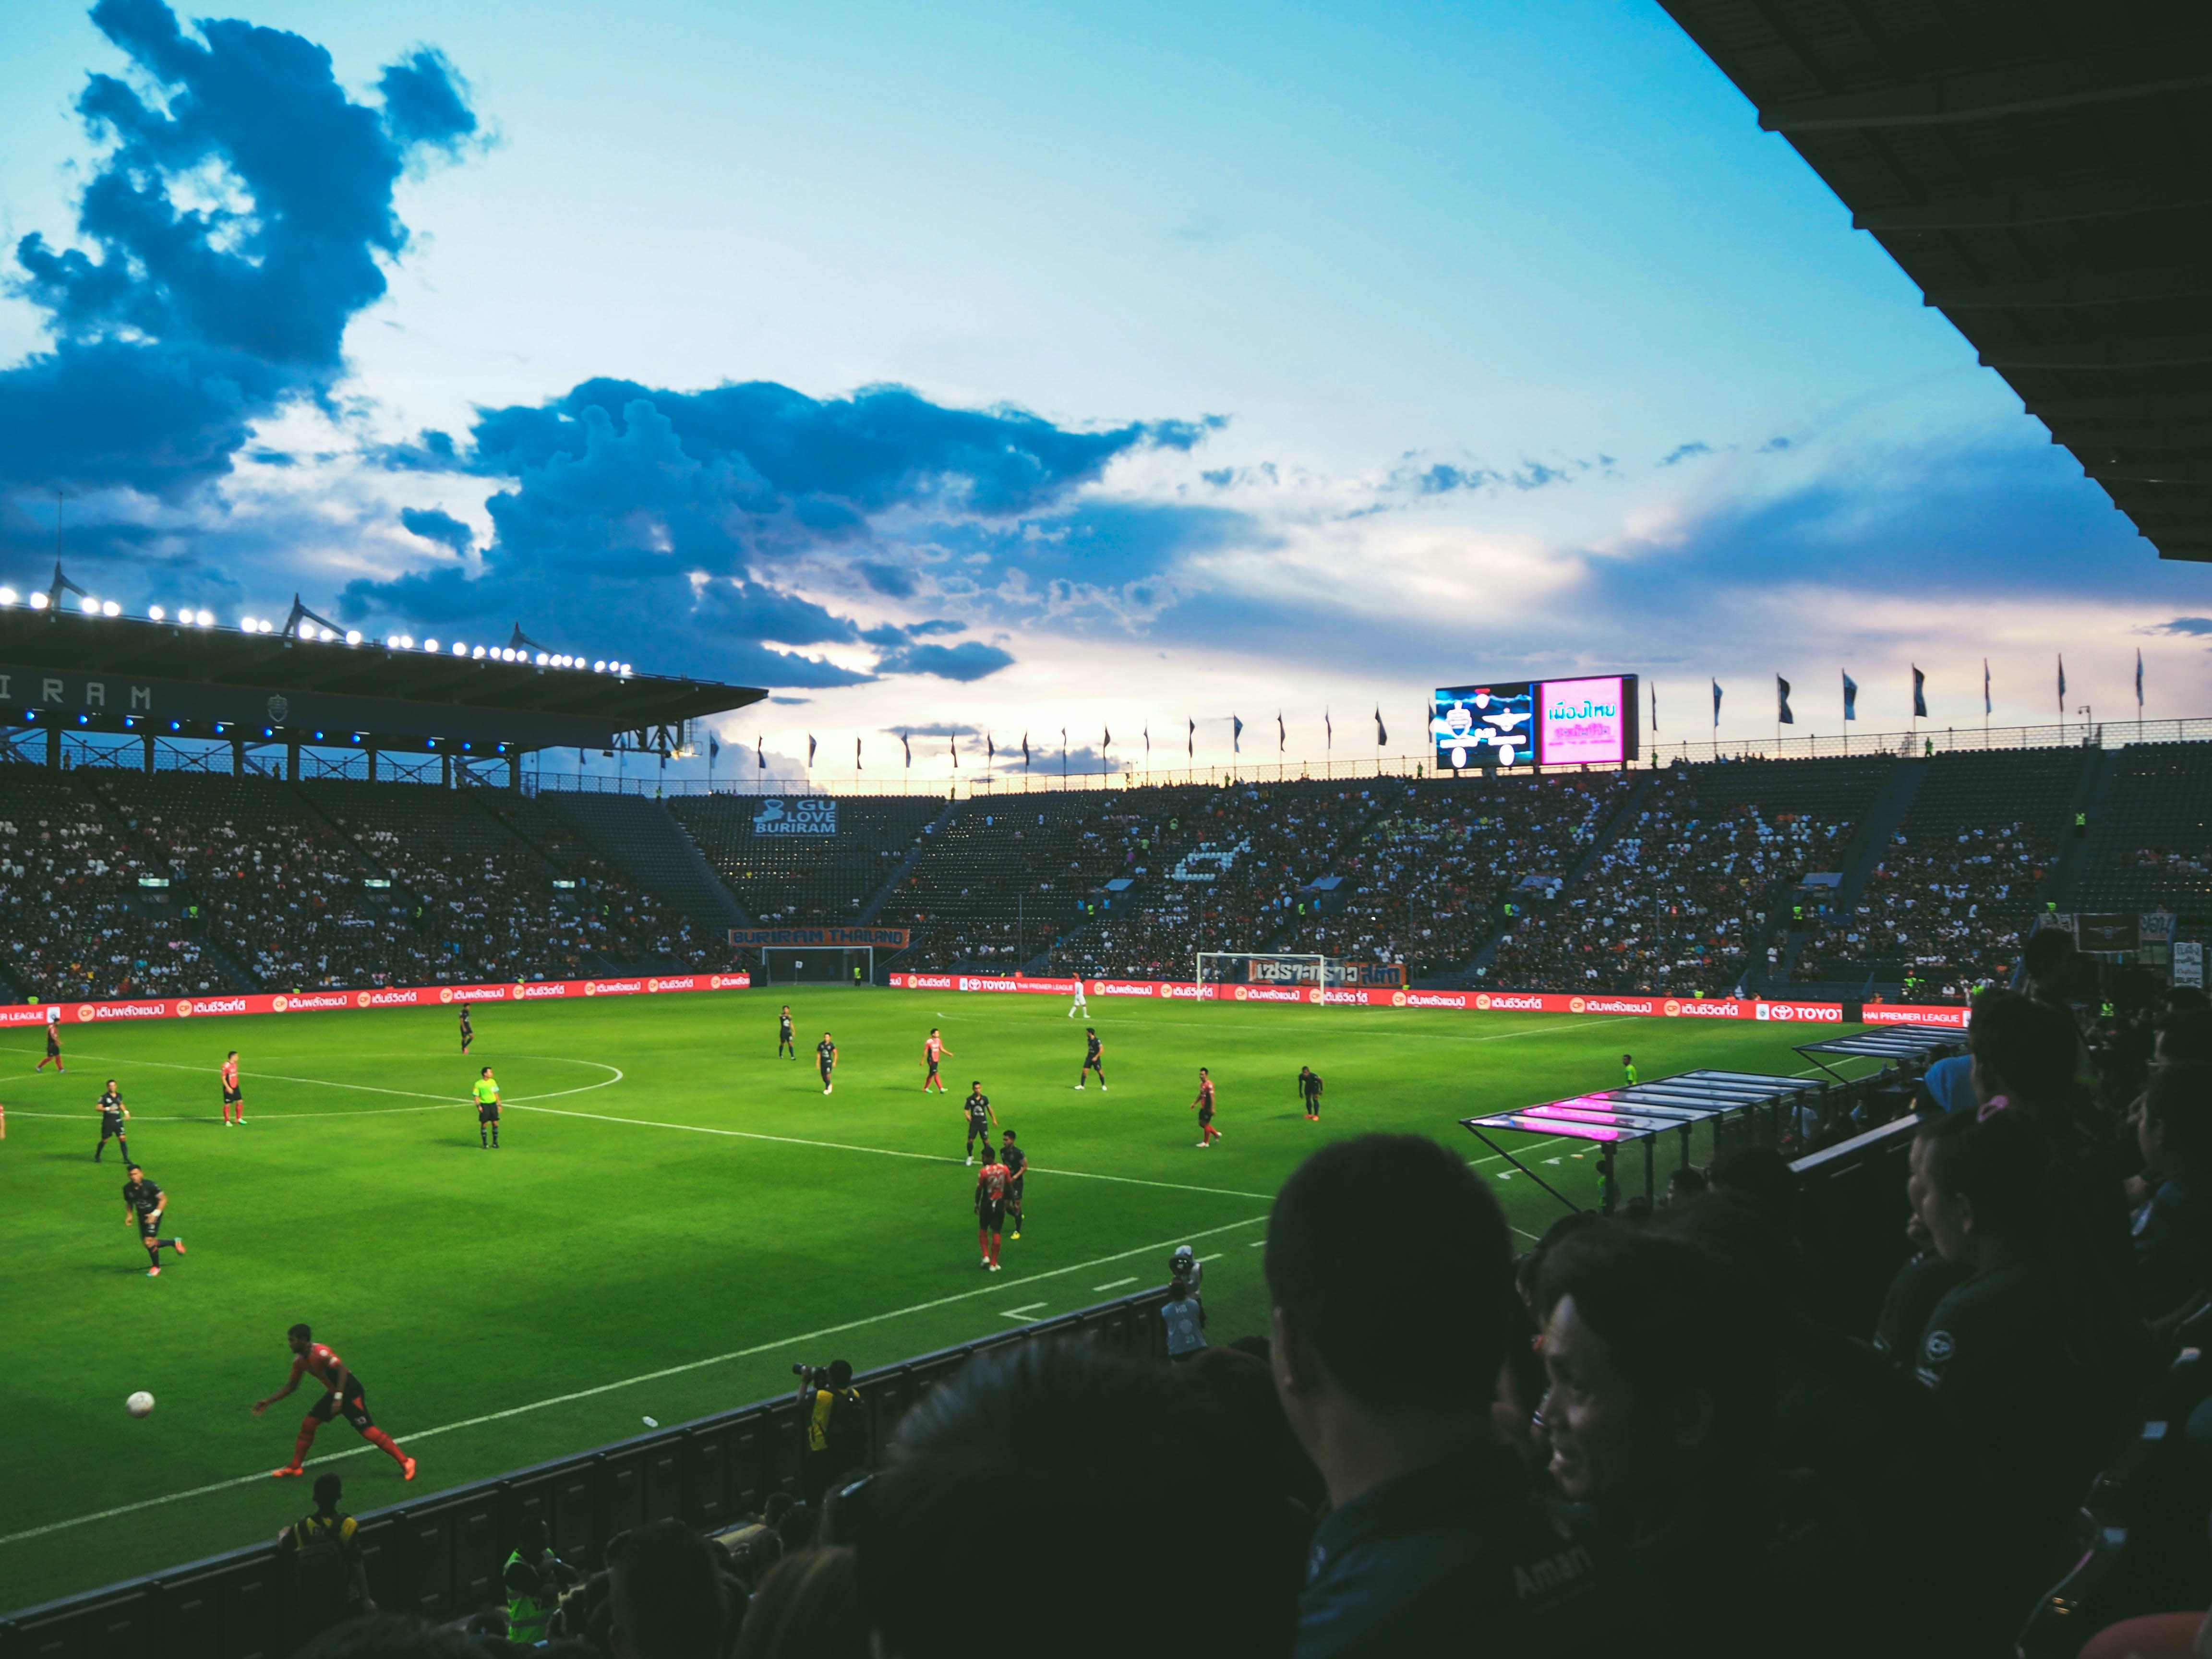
342	1397
233	1098
1207	1134
990	1205
933	1051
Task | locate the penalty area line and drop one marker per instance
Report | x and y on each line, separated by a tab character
998	1288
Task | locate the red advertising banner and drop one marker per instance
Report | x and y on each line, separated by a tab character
390	996
1529	1002
1952	1016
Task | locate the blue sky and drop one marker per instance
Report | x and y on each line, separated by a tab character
986	367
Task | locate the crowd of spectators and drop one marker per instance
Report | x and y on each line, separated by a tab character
1675	903
117	884
1645	1434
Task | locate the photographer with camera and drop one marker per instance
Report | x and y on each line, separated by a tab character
1183	1312
835	1430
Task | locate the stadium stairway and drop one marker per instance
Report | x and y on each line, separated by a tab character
2100	772
642	839
1869	839
884	893
1606	834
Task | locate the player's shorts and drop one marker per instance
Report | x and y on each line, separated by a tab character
979	1129
231	1096
354	1408
110	1125
52	1048
992	1217
933	1068
1092	1063
1205	1115
150	1227
487	1114
1014	1191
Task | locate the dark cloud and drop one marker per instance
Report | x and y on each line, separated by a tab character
1534	475
1220	476
2195	625
434	525
1773	446
178	326
1689	451
971	659
936	625
892	581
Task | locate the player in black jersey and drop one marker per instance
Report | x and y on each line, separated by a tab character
1309	1084
113	1114
825	1060
53	1044
1092	1061
786	1043
1017	1167
468	1031
142	1205
981	1117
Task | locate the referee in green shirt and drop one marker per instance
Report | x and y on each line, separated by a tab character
486	1094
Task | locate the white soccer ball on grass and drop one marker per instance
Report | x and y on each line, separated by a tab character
140	1404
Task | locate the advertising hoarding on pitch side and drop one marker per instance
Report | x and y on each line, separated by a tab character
1590	721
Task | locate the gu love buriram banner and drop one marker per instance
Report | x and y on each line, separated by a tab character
389	996
1525	1002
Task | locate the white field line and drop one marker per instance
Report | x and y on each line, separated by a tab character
998	1288
359	1088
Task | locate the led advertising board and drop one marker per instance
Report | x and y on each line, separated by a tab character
1591	721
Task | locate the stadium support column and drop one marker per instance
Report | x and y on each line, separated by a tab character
54	747
238	758
514	773
372	763
291	762
149	742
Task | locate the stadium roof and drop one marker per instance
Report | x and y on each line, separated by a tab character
129	673
2044	172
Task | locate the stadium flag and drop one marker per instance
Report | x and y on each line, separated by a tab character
1148	743
1327	730
1782	714
2061	686
1382	733
990	752
760	753
714	749
2139	682
1919	694
1985	687
809	751
1717	705
1109	742
954	743
908	744
1063	751
1282	737
1851	696
1025	751
856	754
1236	735
1190	739
1655	705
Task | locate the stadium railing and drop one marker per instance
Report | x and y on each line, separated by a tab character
441	1557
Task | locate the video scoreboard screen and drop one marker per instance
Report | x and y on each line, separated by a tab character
1536	722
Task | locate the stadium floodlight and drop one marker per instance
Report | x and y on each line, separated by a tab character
429	645
7	596
205	619
353	636
109	608
155	611
599	667
460	650
478	652
39	602
544	657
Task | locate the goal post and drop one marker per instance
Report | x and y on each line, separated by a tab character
817	964
1269	968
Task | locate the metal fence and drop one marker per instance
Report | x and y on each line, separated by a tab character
442	1557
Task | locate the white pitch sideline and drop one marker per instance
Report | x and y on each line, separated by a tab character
998	1288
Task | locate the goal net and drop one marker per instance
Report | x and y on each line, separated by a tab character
1268	968
817	964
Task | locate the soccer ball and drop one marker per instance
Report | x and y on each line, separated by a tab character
140	1404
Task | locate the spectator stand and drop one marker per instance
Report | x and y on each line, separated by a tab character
1754	1105
1891	1044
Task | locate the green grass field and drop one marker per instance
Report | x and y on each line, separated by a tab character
675	1218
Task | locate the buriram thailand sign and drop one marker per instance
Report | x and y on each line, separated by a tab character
390	996
1513	1002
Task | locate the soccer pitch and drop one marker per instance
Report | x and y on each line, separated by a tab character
675	1216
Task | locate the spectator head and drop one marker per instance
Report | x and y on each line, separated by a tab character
534	1535
1975	1183
1761	1176
1342	1330
1660	1366
2023	1049
328	1490
1686	1184
668	1596
841	1373
1096	1456
2173	1123
808	1603
2182	1035
2049	955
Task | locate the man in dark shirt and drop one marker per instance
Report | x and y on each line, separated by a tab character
1310	1081
1093	1060
1018	1166
468	1031
143	1203
1436	1542
825	1060
113	1114
786	1043
981	1117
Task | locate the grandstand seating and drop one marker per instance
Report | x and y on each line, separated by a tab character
1958	882
270	886
1677	901
652	851
807	880
2150	840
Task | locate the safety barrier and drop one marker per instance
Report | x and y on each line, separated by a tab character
441	1557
